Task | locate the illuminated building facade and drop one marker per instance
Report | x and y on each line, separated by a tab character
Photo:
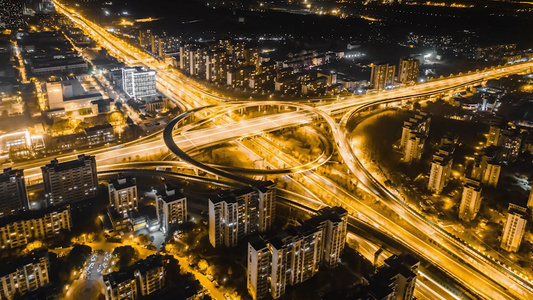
13	196
70	181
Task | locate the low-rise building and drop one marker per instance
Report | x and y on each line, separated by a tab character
18	230
24	274
141	279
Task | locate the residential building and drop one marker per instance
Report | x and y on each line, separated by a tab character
486	166
514	228
123	194
414	148
150	274
441	167
420	123
171	208
141	279
120	285
13	196
530	200
70	181
382	76
24	274
399	275
333	222
470	200
258	270
295	255
235	214
18	230
408	70
266	191
139	83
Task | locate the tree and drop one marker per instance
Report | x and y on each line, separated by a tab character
78	256
125	255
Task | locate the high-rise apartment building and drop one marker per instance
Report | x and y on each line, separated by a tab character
259	260
13	196
398	275
414	134
486	166
24	274
70	181
295	255
139	83
171	207
235	214
514	228
470	200
382	76
266	193
408	70
123	194
441	167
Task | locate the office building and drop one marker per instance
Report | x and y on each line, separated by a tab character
171	208
70	181
23	275
13	196
70	95
235	214
139	83
295	255
258	269
123	194
514	228
470	200
141	279
408	70
382	76
17	230
441	168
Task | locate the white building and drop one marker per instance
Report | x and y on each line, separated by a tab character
258	270
470	200
171	208
238	213
70	95
514	228
123	194
139	83
441	167
295	255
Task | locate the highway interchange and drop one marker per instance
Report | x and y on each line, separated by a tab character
486	278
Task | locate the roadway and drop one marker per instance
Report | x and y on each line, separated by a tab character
180	88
